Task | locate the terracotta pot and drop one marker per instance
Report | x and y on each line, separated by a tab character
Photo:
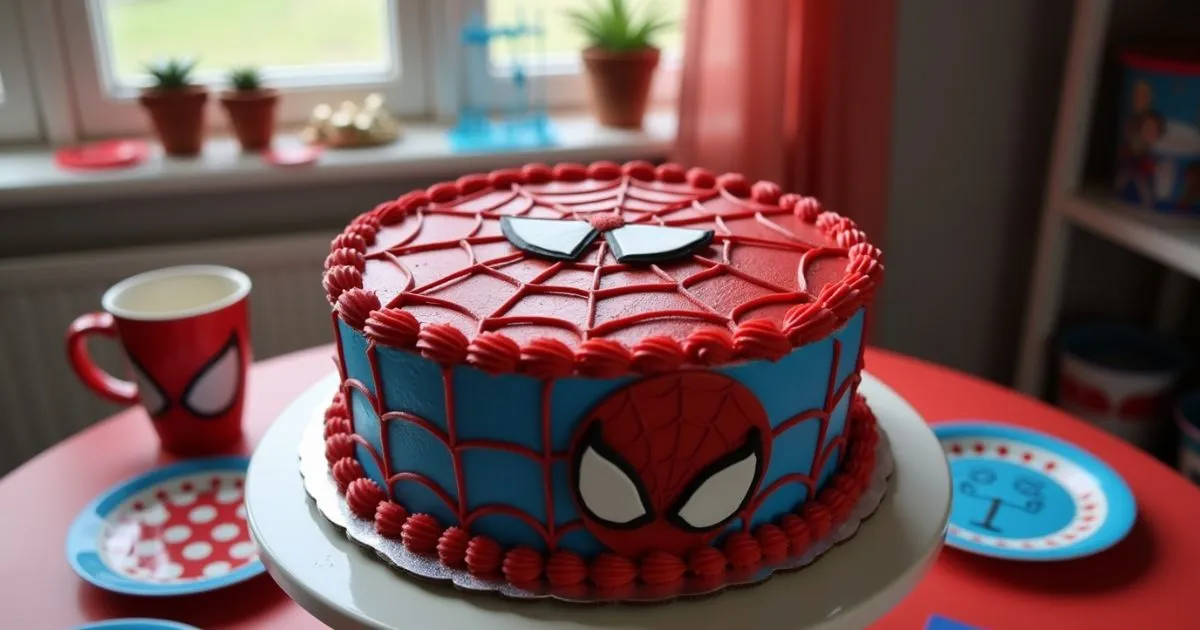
620	84
178	118
253	116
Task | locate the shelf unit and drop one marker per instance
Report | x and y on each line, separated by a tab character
1071	205
1170	241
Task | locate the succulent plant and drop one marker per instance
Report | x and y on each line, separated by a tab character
247	79
613	26
172	74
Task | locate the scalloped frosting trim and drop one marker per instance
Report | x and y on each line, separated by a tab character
790	535
495	353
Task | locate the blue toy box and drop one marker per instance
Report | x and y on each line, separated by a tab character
1158	154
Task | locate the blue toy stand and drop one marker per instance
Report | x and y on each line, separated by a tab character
490	117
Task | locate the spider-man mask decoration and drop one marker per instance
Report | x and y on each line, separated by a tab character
666	462
193	391
565	239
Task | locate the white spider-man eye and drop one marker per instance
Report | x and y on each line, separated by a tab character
148	391
609	490
550	238
215	386
655	243
721	489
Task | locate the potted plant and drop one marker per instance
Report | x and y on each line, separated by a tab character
176	106
620	59
251	108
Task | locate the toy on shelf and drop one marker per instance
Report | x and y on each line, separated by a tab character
490	116
1158	157
352	125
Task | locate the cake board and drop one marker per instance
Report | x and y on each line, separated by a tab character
345	586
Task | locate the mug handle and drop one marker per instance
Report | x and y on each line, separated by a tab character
108	386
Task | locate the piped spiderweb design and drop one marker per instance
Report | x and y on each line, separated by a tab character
447	261
666	428
789	530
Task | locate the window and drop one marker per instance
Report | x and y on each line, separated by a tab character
555	56
18	110
89	57
312	42
318	50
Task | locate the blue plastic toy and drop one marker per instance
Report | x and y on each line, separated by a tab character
495	115
938	622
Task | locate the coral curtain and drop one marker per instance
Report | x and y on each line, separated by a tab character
794	91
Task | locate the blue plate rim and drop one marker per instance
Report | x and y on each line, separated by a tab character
139	623
82	536
1114	529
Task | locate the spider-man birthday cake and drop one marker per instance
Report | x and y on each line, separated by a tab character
601	376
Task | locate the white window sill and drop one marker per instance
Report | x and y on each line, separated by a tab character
30	176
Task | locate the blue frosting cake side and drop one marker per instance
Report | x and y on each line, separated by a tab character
493	453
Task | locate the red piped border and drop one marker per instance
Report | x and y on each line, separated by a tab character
790	536
600	357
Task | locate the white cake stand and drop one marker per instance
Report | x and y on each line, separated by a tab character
851	586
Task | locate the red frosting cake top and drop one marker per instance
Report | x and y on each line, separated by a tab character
599	270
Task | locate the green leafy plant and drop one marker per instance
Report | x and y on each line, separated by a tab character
171	74
248	79
613	26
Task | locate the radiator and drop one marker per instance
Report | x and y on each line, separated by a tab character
41	400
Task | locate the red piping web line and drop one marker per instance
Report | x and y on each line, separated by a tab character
551	532
834	394
625	190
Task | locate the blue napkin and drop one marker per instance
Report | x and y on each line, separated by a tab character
938	622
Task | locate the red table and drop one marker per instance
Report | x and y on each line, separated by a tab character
1145	582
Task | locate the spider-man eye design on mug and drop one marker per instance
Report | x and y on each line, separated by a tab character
561	239
665	463
209	392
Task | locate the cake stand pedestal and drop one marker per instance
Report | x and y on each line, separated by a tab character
851	586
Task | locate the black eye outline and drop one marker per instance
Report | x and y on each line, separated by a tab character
141	377
231	345
1028	486
753	446
593	439
983	476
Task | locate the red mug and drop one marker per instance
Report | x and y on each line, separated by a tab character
185	333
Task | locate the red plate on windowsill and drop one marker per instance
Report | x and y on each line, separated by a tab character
110	154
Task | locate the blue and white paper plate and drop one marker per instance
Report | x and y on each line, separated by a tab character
136	624
1024	495
175	530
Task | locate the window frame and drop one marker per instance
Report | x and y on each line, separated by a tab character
564	85
104	108
19	120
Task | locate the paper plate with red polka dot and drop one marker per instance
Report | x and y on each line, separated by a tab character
1025	495
175	530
